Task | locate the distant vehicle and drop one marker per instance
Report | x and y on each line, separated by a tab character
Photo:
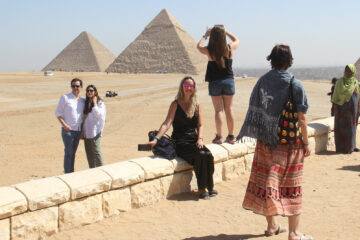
164	71
111	94
48	73
244	76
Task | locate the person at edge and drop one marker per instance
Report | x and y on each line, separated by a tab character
220	76
94	122
185	116
275	183
70	114
346	111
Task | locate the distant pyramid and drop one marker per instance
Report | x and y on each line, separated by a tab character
83	54
164	45
357	65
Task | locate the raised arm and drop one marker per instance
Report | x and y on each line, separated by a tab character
234	41
200	45
166	124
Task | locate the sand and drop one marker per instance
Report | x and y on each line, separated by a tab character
31	148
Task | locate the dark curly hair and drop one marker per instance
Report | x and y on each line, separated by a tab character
280	57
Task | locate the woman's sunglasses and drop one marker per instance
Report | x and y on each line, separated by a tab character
90	90
185	85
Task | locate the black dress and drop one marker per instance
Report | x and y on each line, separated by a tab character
185	135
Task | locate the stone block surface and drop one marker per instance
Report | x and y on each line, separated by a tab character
87	182
12	202
154	166
44	192
312	144
331	142
248	161
177	183
235	150
233	168
319	129
218	171
116	201
180	164
39	224
146	193
80	212
220	153
321	142
5	229
124	173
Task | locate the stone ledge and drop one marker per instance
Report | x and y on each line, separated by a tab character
87	182
146	193
124	173
180	164
154	166
12	202
116	201
44	192
235	150
220	154
5	229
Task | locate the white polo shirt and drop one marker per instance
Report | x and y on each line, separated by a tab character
95	120
71	110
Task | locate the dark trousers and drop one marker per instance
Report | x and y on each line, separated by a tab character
203	162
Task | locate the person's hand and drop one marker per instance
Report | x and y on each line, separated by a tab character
307	150
67	128
152	143
200	143
208	31
94	100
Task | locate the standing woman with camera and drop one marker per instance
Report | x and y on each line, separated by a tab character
220	76
94	122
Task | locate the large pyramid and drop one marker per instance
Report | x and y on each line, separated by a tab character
83	54
357	65
164	45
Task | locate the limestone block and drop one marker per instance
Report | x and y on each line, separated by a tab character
12	202
319	128
233	168
250	143
321	142
180	164
80	212
218	170
124	174
326	121
146	193
116	201
87	182
154	166
44	192
177	183
310	131
5	229
331	142
248	161
235	150
39	224
220	154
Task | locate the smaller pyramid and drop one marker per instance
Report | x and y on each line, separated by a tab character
83	54
357	65
164	45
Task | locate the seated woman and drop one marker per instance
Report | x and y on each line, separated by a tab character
185	116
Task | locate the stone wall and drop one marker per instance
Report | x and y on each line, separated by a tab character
40	208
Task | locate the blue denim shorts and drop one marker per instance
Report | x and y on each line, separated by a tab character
222	87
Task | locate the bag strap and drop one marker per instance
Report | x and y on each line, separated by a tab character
291	90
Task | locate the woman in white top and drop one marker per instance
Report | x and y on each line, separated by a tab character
94	121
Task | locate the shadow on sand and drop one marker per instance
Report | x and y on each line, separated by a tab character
328	153
350	168
187	196
227	237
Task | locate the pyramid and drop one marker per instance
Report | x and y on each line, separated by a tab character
357	65
83	54
164	45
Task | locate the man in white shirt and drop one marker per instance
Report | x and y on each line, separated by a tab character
70	114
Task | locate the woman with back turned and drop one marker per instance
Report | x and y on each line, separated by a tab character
275	184
220	76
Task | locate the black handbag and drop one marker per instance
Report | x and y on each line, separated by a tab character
165	147
289	131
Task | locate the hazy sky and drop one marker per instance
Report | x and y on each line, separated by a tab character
320	33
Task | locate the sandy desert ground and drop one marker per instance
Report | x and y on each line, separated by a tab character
31	148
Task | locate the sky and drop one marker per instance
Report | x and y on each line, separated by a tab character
320	33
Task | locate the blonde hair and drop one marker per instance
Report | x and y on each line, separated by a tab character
193	98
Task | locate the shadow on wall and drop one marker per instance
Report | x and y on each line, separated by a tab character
227	237
350	168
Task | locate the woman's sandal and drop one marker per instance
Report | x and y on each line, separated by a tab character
213	193
218	139
230	139
204	196
305	237
281	229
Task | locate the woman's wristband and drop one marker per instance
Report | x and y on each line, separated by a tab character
204	36
157	138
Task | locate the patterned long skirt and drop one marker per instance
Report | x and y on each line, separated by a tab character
274	186
346	119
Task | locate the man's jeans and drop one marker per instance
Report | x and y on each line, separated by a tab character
71	142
